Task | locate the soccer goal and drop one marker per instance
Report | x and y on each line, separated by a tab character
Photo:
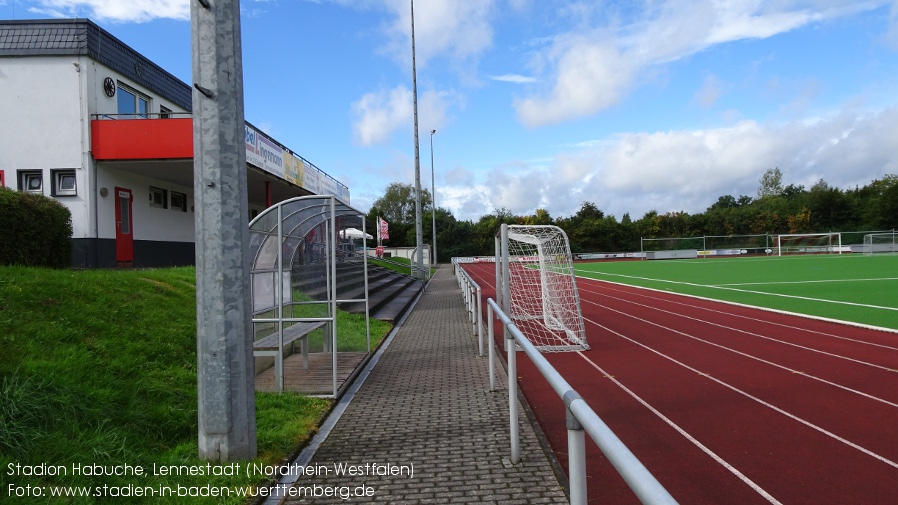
536	287
876	243
808	243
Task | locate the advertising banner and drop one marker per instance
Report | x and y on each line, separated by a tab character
272	157
293	171
327	185
300	167
289	171
252	147
310	181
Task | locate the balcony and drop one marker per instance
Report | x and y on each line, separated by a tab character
128	138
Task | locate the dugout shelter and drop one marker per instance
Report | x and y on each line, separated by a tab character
302	268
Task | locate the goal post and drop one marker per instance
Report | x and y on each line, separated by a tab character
536	286
808	243
876	243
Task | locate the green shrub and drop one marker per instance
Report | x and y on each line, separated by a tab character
37	230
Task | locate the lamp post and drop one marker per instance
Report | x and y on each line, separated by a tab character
433	204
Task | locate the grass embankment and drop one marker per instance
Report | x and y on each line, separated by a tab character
401	265
99	368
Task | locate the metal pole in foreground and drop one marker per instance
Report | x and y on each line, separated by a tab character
226	393
433	196
419	228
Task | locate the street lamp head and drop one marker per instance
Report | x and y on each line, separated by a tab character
432	132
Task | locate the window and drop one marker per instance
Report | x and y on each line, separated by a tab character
132	104
31	181
164	112
158	198
178	201
64	183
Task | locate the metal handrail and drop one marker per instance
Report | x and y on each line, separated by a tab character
474	306
580	418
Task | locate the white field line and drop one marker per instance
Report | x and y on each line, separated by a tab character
685	434
758	400
806	282
756	307
838	302
764	321
756	358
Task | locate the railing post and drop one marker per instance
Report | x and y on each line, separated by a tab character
491	335
512	397
576	448
479	320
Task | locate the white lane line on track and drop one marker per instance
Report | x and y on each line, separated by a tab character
765	337
824	300
708	309
754	398
685	434
762	360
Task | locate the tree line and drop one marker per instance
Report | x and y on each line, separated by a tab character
776	208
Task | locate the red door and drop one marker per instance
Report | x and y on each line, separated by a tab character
124	238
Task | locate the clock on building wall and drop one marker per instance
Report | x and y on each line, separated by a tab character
109	87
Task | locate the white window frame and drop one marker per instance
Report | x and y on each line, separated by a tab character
138	96
178	205
25	176
162	201
57	178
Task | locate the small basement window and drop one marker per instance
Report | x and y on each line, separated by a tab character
31	181
64	183
178	201
158	197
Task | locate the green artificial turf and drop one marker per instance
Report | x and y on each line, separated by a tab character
850	287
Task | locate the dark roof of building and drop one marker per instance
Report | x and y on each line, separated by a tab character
82	37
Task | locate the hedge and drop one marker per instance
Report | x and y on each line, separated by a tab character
35	230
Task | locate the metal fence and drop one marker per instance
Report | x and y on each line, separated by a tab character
581	419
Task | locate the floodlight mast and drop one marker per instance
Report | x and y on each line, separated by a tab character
419	227
433	198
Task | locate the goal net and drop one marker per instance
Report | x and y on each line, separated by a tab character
875	243
808	243
537	289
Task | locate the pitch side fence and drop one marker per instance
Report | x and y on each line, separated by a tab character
739	244
581	419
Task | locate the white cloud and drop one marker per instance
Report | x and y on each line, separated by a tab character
590	77
116	10
461	30
514	78
379	114
596	67
688	170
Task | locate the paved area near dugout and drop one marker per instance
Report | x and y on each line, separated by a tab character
426	412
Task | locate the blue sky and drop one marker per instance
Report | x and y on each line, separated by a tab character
633	105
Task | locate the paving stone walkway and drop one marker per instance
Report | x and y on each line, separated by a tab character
424	427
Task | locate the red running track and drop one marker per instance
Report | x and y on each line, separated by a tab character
726	404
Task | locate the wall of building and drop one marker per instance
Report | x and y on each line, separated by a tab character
43	107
